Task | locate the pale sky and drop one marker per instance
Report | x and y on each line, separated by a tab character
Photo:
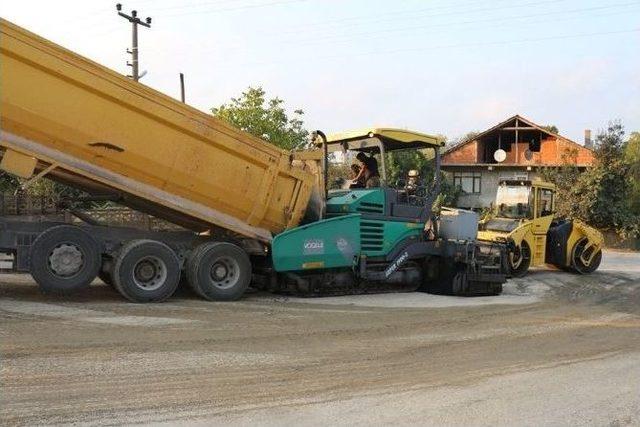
441	66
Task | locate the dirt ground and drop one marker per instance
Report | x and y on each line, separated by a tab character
555	348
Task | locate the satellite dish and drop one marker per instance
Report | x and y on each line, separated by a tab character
500	155
528	154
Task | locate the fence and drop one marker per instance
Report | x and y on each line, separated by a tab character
614	241
46	209
20	204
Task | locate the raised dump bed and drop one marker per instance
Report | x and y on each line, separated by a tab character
80	123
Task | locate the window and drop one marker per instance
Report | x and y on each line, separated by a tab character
469	182
545	203
514	201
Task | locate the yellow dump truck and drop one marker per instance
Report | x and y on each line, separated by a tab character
244	203
77	122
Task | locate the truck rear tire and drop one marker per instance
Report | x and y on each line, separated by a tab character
219	271
64	259
146	271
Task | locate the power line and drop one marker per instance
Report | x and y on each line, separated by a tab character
450	46
348	37
477	21
233	9
414	15
418	14
196	5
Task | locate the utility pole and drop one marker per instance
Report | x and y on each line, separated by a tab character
182	87
133	18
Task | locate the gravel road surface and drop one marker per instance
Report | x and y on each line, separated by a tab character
554	349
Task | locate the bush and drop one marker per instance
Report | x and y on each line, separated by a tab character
600	196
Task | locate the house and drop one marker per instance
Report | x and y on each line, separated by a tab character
514	149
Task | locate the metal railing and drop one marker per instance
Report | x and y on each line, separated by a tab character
40	208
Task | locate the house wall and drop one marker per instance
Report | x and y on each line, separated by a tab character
467	153
489	185
521	148
551	153
553	150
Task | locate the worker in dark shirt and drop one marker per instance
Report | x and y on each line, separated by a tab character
369	171
355	173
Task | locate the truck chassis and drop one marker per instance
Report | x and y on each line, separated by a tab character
142	265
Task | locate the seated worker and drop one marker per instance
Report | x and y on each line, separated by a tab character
355	172
369	171
413	181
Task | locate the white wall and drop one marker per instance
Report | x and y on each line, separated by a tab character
489	185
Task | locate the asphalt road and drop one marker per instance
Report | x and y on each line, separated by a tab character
554	349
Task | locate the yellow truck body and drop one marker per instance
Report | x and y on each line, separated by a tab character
78	122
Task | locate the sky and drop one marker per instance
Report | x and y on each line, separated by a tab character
435	66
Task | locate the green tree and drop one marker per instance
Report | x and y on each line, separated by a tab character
56	193
469	136
449	193
565	178
399	163
265	118
632	156
8	183
551	128
340	174
602	194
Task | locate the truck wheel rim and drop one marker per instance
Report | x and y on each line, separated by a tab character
580	262
224	273
583	255
66	260
150	273
515	260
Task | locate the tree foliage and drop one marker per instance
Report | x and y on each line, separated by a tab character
8	183
600	196
632	156
265	118
551	128
605	188
399	164
565	178
470	135
449	193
